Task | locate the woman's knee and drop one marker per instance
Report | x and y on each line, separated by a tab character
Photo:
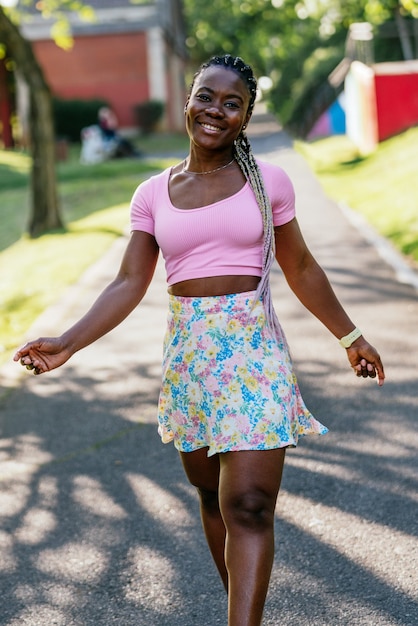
251	509
209	500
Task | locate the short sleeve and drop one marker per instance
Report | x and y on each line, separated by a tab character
141	208
281	192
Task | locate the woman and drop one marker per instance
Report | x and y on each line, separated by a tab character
229	399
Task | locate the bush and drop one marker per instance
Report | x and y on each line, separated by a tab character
70	116
148	114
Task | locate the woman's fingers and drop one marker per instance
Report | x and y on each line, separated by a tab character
365	369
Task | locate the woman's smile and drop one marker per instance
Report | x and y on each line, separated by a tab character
211	127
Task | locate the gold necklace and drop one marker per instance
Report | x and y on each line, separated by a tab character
222	167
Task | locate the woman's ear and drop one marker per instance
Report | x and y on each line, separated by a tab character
247	121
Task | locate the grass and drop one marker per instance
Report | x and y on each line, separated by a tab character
383	186
95	208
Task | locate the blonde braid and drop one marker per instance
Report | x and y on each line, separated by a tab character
245	159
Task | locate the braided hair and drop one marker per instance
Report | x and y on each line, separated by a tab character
249	167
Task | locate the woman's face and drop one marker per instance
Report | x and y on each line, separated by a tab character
217	108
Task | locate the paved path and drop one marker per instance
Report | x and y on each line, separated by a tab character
99	526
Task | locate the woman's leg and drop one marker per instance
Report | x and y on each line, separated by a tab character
248	488
203	472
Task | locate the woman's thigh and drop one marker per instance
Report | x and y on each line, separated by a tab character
202	471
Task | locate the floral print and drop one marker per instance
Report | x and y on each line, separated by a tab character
228	383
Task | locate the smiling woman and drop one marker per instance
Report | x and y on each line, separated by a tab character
229	398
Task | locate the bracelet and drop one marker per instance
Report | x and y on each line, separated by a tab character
347	340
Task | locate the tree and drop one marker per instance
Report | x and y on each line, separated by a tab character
44	213
44	208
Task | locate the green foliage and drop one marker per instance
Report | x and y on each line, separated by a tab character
411	6
148	114
70	116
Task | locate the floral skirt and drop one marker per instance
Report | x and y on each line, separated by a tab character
228	382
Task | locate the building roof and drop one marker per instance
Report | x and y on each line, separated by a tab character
113	4
95	4
115	17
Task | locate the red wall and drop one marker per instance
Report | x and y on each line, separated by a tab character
111	67
396	102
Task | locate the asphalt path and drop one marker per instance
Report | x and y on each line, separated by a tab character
99	525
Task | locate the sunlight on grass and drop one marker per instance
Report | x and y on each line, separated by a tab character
15	160
383	186
329	154
13	215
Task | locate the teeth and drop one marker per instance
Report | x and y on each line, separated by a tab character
209	127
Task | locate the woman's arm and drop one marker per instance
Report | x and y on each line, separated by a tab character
311	286
113	305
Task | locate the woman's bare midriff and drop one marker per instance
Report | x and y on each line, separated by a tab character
214	286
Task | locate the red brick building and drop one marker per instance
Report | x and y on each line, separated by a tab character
130	53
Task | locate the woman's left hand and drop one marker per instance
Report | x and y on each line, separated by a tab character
365	361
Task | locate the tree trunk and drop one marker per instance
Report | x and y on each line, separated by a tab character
44	214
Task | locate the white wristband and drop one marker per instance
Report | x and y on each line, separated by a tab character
346	341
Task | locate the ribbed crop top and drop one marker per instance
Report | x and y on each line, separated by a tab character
223	238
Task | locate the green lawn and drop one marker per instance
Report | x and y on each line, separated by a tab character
95	207
382	186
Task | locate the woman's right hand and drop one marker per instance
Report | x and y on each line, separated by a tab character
43	354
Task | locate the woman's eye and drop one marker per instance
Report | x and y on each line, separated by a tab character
203	97
231	105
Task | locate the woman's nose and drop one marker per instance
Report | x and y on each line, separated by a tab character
214	110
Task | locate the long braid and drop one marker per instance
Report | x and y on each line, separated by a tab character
246	161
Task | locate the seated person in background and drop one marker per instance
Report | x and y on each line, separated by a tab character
108	124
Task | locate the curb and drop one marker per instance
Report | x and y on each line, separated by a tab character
404	273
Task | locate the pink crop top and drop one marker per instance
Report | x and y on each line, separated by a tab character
223	238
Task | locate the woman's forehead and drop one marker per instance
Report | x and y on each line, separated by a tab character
220	78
